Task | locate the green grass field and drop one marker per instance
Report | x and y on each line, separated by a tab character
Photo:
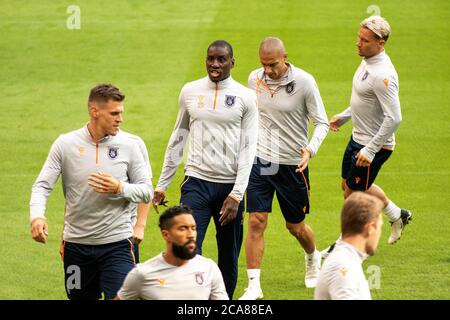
149	49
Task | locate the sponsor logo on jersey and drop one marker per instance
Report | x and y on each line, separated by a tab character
113	152
343	271
386	82
82	150
290	87
357	180
162	281
199	278
230	101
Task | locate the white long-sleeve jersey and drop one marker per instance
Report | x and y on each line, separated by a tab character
374	105
155	279
342	276
94	218
286	107
222	121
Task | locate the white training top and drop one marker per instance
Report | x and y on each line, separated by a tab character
342	276
222	121
286	107
374	105
155	279
94	218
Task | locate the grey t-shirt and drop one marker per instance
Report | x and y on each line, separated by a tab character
90	217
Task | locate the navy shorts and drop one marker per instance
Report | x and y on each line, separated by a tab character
91	270
361	178
292	189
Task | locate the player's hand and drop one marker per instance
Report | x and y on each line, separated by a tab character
61	250
335	123
39	230
306	155
138	233
362	160
103	182
229	211
158	200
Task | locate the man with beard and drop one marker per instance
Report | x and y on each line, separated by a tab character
342	276
178	273
220	117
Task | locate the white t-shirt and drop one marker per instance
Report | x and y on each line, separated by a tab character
155	279
342	276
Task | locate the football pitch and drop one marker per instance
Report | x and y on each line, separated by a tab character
149	49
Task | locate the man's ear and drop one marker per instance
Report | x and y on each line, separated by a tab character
93	110
165	234
232	62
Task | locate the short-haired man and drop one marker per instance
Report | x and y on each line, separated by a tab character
375	113
178	273
221	118
288	99
103	172
342	276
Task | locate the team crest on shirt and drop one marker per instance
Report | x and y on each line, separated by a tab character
364	77
230	101
199	278
113	152
290	87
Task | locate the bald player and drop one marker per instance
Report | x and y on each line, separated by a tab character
220	117
375	112
288	99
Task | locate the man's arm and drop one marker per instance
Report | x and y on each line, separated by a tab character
246	156
41	190
340	119
316	112
386	90
142	208
174	151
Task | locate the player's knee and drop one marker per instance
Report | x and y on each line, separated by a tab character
256	224
296	229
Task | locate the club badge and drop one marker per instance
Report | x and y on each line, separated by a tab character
199	278
366	74
230	101
113	152
290	87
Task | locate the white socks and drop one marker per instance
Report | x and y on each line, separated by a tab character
392	211
253	278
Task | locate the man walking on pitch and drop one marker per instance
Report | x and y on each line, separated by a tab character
288	98
221	117
342	276
178	273
375	113
103	172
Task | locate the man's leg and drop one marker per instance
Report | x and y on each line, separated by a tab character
254	251
229	241
259	203
115	261
81	272
195	194
397	217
